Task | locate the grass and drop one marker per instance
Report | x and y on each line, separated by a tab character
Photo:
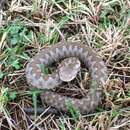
28	26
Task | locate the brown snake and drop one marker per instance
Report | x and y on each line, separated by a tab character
59	51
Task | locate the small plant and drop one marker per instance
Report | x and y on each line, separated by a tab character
1	74
34	93
73	111
62	124
45	70
5	97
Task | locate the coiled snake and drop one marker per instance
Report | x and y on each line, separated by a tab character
59	51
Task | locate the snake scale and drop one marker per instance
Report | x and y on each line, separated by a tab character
60	51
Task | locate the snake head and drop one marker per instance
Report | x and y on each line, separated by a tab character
69	68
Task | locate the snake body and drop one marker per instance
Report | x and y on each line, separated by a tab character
60	51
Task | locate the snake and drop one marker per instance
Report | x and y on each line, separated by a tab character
60	51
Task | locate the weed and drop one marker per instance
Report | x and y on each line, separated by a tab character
62	124
73	111
5	97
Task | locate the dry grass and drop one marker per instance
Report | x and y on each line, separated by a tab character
29	25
